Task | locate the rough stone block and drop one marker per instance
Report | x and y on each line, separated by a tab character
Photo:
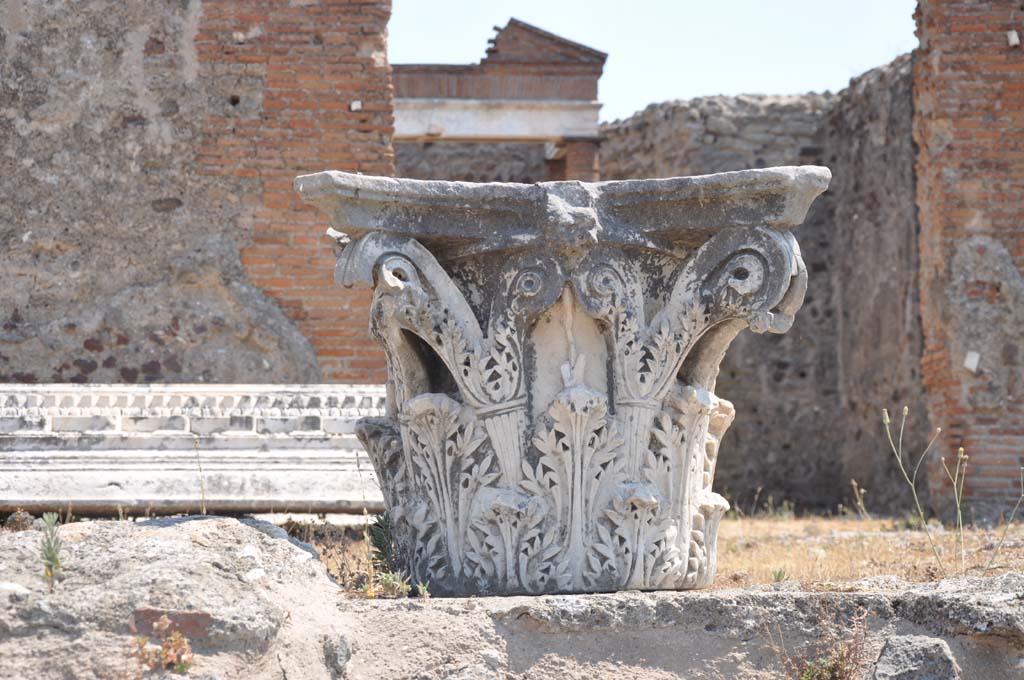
82	423
153	424
916	657
285	425
339	425
23	424
222	425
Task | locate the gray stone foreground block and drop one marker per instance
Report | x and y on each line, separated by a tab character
295	622
916	657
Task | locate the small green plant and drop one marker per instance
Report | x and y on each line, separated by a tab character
392	585
421	590
380	536
779	575
785	510
957	478
50	550
820	669
385	577
174	653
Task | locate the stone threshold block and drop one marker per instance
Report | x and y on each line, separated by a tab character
104	450
552	349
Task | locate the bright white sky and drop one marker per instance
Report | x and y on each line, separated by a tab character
676	49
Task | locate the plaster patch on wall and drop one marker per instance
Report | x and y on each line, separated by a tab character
189	53
986	301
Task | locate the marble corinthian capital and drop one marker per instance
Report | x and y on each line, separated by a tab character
552	352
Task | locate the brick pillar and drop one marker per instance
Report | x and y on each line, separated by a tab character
577	159
581	160
969	128
554	169
306	87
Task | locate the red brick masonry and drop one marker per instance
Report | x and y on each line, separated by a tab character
314	93
969	127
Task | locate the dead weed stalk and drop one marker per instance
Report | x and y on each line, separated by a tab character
833	658
957	477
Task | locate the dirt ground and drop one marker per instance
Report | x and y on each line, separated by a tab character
816	551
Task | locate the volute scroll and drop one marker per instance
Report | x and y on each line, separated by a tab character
552	424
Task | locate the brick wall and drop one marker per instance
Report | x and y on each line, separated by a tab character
969	127
523	62
308	87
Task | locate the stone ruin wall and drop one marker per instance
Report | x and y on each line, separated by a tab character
874	279
808	402
471	161
148	222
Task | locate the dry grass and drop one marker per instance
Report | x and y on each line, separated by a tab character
812	550
838	655
821	549
342	549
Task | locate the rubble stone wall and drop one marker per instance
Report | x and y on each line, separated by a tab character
146	159
470	161
714	134
874	227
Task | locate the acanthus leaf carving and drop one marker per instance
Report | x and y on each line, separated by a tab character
500	479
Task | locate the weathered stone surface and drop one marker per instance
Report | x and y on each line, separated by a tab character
120	577
552	355
916	657
873	266
293	622
714	134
